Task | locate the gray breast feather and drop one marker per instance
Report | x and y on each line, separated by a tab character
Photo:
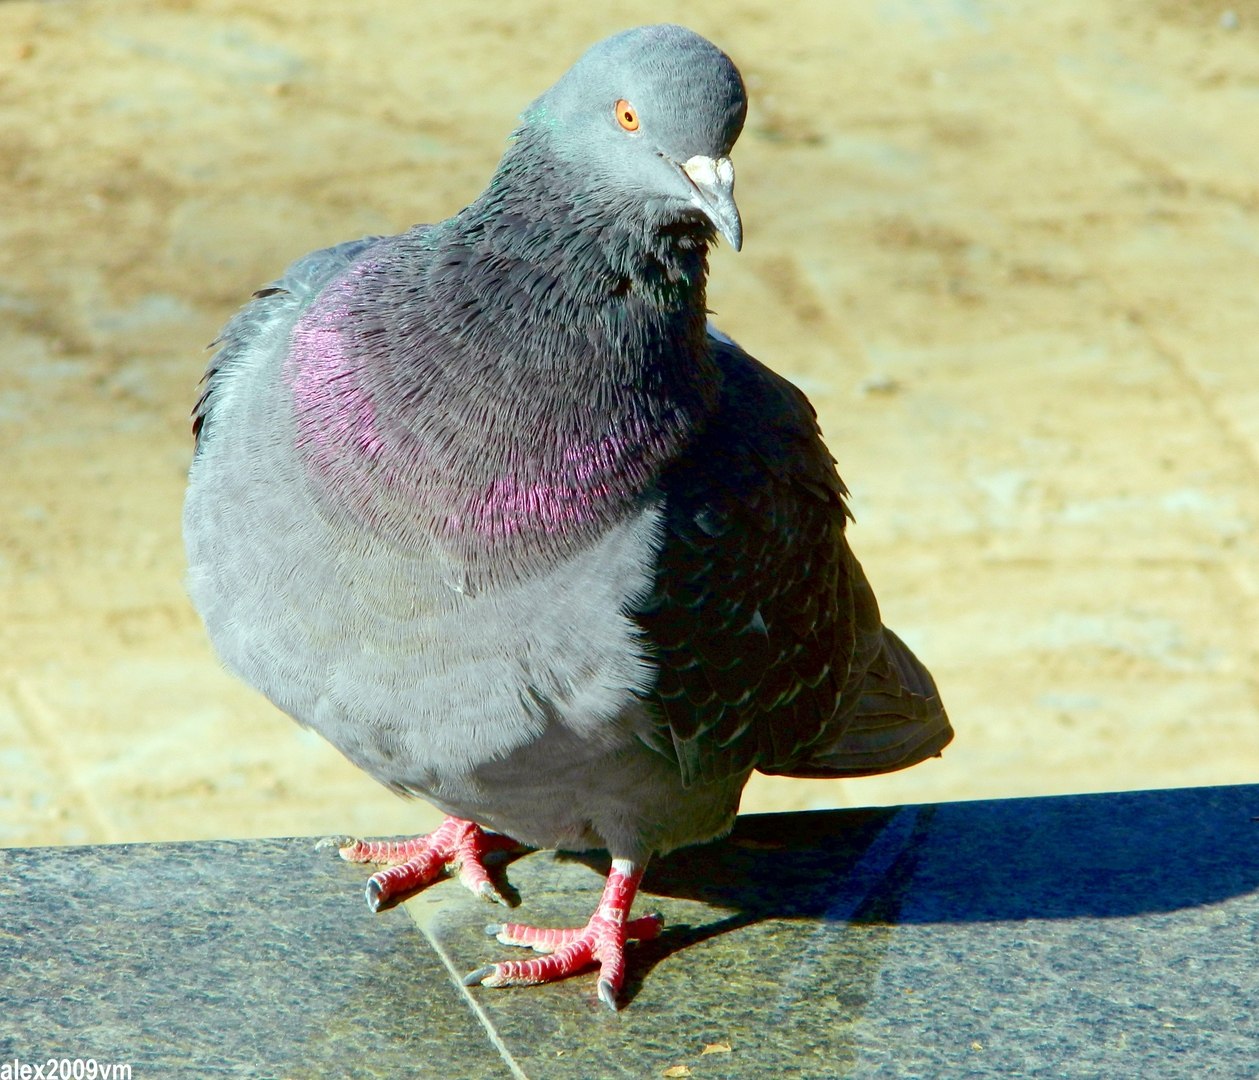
375	645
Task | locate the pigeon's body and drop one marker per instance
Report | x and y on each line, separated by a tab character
372	613
487	505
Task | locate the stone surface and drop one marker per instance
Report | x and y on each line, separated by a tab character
243	958
1104	935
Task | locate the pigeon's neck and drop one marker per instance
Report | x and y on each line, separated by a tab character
580	250
515	379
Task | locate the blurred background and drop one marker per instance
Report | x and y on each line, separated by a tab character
1010	250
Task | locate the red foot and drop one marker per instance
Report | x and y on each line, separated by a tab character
456	845
601	940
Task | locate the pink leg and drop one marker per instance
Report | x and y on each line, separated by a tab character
455	845
602	940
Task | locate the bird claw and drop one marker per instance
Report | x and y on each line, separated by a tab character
607	994
567	951
375	900
486	891
455	846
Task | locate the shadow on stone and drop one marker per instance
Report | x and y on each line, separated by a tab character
1098	856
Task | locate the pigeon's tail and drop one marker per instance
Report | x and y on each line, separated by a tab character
913	675
899	720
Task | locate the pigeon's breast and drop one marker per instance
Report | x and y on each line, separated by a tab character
429	678
386	644
508	454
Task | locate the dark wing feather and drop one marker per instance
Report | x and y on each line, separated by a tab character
771	651
289	294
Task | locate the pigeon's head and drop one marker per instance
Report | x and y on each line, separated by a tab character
648	117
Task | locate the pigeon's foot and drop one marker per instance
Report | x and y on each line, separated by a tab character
456	846
602	941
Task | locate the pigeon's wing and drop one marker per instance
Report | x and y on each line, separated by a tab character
273	308
770	650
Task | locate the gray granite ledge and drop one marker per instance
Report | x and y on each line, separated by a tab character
1091	936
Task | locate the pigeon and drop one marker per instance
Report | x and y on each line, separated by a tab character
491	507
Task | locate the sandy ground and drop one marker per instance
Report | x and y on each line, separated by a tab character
1011	250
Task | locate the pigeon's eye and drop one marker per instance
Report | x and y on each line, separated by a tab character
626	115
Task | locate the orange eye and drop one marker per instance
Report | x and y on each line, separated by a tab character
626	115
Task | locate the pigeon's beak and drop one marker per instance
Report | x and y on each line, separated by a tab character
713	180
